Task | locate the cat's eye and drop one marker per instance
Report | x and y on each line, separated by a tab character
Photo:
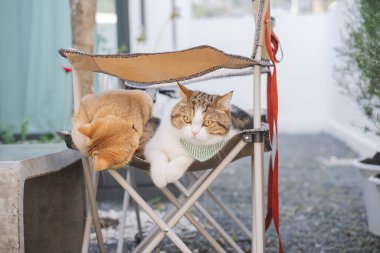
186	119
208	123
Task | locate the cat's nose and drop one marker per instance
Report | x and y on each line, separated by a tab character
194	133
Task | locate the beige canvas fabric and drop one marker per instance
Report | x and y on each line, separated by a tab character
158	67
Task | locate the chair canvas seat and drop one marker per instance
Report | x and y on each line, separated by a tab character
141	163
138	160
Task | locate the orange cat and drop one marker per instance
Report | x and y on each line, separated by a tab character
108	126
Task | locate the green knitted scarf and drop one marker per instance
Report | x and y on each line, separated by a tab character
201	152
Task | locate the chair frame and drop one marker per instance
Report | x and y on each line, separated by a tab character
205	181
197	189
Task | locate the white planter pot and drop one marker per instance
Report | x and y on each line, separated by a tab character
375	180
371	195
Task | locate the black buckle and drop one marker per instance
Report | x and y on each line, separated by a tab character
253	137
256	135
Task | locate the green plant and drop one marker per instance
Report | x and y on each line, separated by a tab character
6	135
24	130
46	138
156	202
361	57
123	48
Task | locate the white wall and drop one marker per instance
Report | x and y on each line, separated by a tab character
302	80
309	98
302	89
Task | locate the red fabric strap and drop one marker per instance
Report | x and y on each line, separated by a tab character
272	45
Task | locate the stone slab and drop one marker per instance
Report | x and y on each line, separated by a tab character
42	198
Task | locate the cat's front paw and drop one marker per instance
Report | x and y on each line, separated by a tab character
159	178
173	175
173	178
160	182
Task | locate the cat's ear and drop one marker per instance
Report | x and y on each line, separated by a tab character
224	101
101	164
87	130
183	92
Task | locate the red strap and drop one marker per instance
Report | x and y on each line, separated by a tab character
275	45
272	45
268	217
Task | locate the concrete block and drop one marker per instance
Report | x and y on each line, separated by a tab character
42	198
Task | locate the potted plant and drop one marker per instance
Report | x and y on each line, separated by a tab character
368	169
360	78
375	179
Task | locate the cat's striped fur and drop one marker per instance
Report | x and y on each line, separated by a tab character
199	118
213	109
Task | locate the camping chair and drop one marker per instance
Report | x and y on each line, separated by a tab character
197	64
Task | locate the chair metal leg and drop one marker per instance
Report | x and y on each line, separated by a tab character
137	208
155	230
193	221
92	199
257	168
226	210
87	227
170	214
200	189
177	202
150	212
120	241
131	179
213	222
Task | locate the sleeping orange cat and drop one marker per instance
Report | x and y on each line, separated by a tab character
108	126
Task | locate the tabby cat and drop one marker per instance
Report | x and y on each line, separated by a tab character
108	126
197	119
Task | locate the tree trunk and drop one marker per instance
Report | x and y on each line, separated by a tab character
83	28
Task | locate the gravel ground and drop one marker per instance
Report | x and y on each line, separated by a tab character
321	205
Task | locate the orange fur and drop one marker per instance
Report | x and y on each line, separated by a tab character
108	126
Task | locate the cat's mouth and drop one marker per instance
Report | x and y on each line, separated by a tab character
197	140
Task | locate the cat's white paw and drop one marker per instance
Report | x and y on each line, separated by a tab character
174	173
160	181
159	163
158	175
173	177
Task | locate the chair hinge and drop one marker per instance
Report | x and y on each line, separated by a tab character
255	137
